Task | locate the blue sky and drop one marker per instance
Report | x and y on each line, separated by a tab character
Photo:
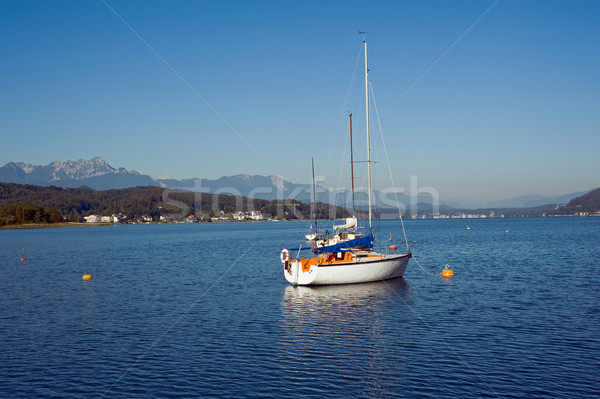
512	108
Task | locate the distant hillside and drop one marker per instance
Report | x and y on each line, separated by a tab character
74	203
523	201
255	186
589	202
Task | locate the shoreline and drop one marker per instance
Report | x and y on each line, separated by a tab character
30	226
49	225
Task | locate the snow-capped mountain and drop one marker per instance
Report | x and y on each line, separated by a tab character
95	173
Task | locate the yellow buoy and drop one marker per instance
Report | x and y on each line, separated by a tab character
87	277
447	272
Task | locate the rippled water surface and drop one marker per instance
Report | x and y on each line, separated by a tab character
204	310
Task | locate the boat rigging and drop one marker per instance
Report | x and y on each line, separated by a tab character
348	256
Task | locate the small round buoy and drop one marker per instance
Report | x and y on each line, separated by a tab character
87	277
393	247
23	259
447	272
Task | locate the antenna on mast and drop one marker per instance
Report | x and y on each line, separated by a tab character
363	34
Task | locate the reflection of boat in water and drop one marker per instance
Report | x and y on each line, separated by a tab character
340	323
362	291
338	336
337	298
314	308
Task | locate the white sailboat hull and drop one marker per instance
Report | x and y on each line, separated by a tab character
358	271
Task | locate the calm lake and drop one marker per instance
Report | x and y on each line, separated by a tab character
203	310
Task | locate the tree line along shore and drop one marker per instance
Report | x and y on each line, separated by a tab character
29	206
22	204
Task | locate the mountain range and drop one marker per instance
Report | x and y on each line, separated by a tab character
524	201
97	174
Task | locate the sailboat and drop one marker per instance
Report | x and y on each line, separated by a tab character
348	256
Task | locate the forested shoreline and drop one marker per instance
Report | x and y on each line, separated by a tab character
22	203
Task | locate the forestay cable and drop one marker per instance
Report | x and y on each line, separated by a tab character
389	166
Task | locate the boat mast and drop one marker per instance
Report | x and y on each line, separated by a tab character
352	166
368	133
314	196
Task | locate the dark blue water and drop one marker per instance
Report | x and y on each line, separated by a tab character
204	310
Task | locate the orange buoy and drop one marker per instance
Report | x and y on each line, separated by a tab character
447	272
393	247
23	259
87	277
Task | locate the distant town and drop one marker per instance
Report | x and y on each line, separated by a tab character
224	217
492	214
29	204
255	216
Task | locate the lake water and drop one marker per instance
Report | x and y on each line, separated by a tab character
203	310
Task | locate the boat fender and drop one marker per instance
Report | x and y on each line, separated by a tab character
285	255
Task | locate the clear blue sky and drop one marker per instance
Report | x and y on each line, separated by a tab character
512	108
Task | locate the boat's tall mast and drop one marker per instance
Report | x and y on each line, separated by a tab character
314	196
368	133
352	166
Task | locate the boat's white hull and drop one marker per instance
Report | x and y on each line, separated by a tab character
362	271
